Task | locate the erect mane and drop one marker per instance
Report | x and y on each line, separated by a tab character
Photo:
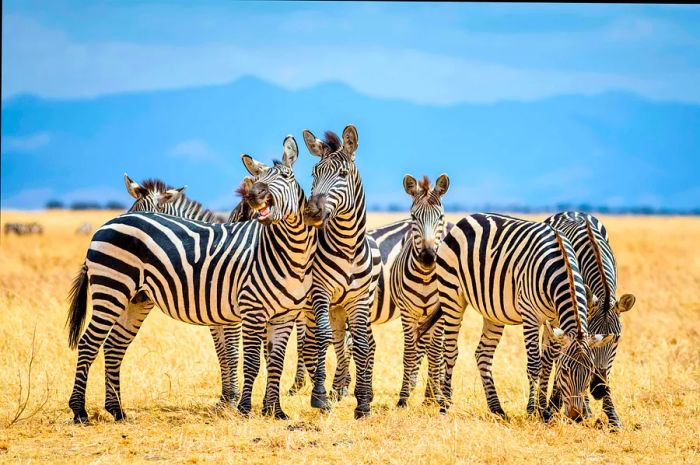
155	185
426	193
242	190
424	184
332	140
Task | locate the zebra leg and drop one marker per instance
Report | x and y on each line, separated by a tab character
226	342
409	359
433	388
342	369
359	324
550	352
320	302
277	337
531	331
106	311
253	326
300	376
609	409
115	347
490	337
372	349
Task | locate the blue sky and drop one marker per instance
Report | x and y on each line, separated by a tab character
440	60
433	54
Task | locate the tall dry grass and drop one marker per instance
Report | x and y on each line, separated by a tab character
170	376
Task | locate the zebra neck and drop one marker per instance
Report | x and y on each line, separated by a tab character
345	234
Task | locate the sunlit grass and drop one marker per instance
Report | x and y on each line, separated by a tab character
170	378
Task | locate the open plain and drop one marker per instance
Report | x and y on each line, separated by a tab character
170	379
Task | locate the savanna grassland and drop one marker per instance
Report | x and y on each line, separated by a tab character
170	378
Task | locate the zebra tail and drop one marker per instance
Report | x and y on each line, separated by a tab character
78	307
429	322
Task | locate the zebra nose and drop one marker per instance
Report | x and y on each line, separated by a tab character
314	211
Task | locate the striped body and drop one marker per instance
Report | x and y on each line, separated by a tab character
514	272
589	238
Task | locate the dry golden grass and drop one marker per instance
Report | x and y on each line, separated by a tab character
170	377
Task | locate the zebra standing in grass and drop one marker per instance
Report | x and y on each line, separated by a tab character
413	284
345	267
597	262
515	272
154	195
256	272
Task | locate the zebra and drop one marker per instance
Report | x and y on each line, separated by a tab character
255	272
153	195
413	284
589	238
22	229
515	272
345	267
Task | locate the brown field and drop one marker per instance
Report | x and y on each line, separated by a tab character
170	376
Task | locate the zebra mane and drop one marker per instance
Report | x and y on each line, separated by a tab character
572	285
425	194
332	140
155	185
424	184
599	264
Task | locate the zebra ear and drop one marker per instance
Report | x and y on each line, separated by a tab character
350	140
254	167
410	185
590	298
554	333
315	145
442	184
625	303
171	195
290	151
133	188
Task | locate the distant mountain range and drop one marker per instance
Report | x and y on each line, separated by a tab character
612	150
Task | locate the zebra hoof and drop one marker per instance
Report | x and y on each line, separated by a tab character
274	411
362	411
81	418
499	411
319	400
430	400
244	408
547	415
402	403
296	387
118	414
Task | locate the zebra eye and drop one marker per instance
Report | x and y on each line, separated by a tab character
343	172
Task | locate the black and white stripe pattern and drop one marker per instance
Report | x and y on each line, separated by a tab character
202	273
413	284
154	195
345	269
589	238
515	272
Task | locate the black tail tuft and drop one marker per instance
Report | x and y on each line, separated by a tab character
429	322
78	307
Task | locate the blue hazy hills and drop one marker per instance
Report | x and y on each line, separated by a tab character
613	149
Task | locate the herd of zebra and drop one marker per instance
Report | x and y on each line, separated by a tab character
282	260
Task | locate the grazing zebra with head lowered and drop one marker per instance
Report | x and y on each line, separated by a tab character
345	267
256	272
597	263
515	272
154	195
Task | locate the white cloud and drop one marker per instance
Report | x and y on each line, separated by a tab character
193	149
89	69
24	143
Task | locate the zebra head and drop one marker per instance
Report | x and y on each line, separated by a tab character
152	196
575	366
604	318
335	179
273	191
427	216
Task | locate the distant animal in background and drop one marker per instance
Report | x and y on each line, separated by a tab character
84	229
22	229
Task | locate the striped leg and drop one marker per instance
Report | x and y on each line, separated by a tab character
253	326
115	347
550	353
531	331
300	375
409	359
358	315
436	374
322	337
108	306
372	349
341	379
453	323
227	340
277	337
490	337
